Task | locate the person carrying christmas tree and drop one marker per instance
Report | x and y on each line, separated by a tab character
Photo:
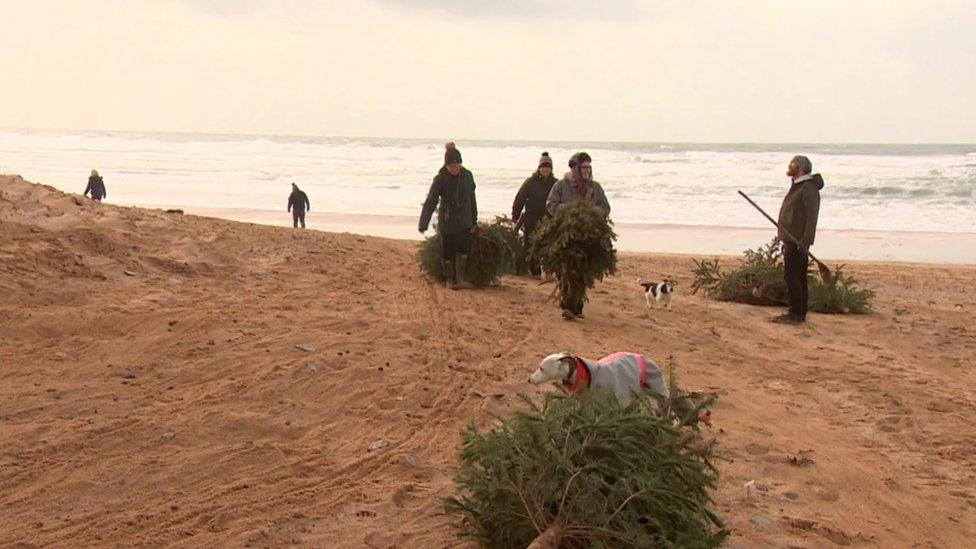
531	197
577	185
454	189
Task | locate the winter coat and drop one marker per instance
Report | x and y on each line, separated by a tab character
532	197
621	374
458	210
800	209
299	201
96	187
566	192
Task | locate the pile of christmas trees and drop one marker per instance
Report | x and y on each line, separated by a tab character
582	472
759	280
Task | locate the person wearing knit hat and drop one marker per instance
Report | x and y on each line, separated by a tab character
96	187
576	185
452	194
451	154
298	204
532	197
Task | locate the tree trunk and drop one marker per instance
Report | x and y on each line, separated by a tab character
549	539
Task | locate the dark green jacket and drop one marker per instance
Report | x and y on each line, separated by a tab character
532	196
458	211
800	209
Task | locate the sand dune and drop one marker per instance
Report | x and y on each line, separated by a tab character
173	379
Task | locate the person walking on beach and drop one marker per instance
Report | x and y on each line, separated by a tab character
532	198
454	189
96	187
298	204
578	184
798	220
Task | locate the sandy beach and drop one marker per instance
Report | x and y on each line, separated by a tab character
702	240
182	380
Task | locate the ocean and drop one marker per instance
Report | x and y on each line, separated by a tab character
913	188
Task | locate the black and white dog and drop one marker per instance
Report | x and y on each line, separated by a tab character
660	292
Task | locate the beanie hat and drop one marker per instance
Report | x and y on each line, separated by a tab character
544	160
294	187
451	154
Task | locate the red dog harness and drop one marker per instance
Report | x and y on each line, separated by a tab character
582	377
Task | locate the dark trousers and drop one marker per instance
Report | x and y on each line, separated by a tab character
574	303
454	244
534	266
795	261
298	217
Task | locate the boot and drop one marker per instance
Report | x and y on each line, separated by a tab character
462	262
449	275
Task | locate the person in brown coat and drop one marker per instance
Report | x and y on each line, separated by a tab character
798	220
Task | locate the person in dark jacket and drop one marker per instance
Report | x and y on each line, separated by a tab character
457	215
798	227
96	187
298	204
532	198
578	184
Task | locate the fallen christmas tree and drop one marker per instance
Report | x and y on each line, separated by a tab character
506	228
576	246
759	280
490	256
581	472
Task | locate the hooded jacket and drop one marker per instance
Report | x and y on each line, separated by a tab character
299	201
96	187
800	210
532	197
622	374
566	192
458	210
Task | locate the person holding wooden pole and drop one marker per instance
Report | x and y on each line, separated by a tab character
797	227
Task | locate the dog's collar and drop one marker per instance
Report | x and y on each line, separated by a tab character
582	377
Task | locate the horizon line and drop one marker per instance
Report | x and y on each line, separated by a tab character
484	139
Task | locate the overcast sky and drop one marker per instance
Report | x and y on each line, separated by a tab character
610	70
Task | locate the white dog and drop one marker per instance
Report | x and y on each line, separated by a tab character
660	292
622	375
